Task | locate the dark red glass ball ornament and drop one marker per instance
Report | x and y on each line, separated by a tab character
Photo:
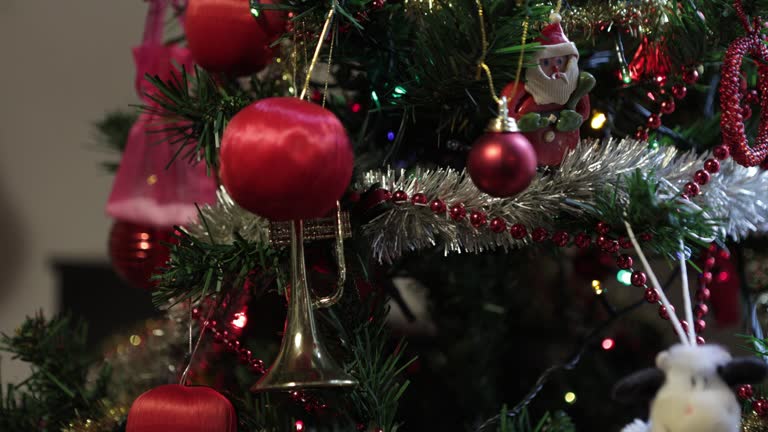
638	278
502	164
137	252
223	36
286	159
518	231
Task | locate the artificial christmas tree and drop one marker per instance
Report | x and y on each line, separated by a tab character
504	257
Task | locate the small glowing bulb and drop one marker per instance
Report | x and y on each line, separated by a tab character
624	277
135	340
356	108
723	276
608	344
598	121
240	320
390	136
570	397
299	425
152	179
626	77
597	287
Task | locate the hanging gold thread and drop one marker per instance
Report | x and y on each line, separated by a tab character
323	34
328	72
558	6
482	66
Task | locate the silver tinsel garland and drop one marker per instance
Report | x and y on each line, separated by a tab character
736	197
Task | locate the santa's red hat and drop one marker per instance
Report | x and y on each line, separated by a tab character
554	41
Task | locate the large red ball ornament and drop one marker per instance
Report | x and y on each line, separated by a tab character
225	37
137	251
502	164
286	159
176	408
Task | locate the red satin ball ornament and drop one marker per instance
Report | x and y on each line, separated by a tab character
502	164
285	159
176	408
136	251
223	36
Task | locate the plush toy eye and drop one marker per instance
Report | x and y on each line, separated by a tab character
693	381
545	62
560	61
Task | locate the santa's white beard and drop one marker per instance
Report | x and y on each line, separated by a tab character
546	90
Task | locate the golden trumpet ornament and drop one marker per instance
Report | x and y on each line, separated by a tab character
303	362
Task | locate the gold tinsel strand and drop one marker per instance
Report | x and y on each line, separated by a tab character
109	420
753	423
640	18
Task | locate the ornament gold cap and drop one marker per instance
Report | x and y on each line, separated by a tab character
503	122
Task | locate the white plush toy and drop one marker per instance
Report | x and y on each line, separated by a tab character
691	388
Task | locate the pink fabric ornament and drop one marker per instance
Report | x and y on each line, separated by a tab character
146	190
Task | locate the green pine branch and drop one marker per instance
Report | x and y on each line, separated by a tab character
57	390
112	133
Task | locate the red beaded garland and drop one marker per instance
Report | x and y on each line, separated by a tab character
458	212
760	407
498	225
690	76
437	206
702	294
721	152
732	119
700	340
700	310
419	199
663	312
701	177
603	228
752	97
745	392
625	243
746	112
691	189
684	325
582	240
399	196
706	278
654	121
611	246
712	166
638	278
679	91
651	295
624	262
518	231
709	263
539	235
560	238
646	236
700	325
477	218
641	134
668	106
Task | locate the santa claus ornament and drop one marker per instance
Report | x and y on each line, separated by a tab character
552	103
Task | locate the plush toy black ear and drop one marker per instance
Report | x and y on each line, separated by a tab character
743	370
639	387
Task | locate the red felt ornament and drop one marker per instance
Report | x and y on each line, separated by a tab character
176	408
286	159
136	251
732	118
502	162
225	37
